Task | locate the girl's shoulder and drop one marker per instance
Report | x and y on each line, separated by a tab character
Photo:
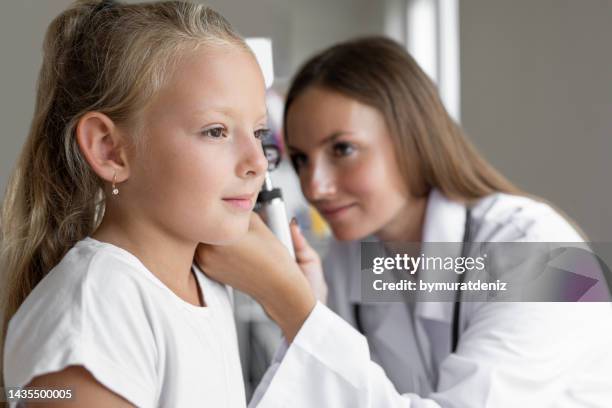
90	271
507	217
96	298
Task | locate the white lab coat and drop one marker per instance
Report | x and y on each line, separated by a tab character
509	354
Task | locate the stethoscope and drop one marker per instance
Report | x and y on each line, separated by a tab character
465	246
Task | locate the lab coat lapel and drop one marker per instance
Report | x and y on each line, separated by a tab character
444	222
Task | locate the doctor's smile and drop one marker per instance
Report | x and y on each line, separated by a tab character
335	211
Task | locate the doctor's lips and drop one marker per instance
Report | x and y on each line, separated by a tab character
334	211
242	202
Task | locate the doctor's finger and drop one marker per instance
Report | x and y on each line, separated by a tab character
303	251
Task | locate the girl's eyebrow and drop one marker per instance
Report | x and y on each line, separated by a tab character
224	111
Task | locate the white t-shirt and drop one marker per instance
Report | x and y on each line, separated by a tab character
101	308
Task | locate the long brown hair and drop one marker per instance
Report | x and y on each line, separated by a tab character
97	56
430	147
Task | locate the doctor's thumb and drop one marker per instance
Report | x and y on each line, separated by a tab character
309	262
303	251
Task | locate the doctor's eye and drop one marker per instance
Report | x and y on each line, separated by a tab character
261	134
297	160
342	149
215	132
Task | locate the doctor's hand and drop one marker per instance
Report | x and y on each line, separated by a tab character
309	262
259	264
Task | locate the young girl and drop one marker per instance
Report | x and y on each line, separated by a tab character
143	144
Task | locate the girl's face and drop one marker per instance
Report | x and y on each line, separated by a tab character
345	161
202	164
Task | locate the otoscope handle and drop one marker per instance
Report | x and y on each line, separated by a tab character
270	203
274	215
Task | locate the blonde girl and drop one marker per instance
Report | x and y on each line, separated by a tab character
143	144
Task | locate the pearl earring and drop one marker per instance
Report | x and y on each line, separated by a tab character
115	189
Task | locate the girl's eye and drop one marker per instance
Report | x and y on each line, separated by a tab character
215	132
343	149
261	134
297	160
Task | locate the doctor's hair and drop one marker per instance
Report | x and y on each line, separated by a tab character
101	56
431	149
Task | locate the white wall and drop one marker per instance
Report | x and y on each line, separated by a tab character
22	28
536	83
299	28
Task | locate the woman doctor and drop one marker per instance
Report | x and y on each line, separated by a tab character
379	157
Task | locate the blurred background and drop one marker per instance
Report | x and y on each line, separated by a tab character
529	80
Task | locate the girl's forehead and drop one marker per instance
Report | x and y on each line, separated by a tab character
216	69
213	79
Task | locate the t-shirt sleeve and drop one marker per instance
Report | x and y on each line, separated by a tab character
99	321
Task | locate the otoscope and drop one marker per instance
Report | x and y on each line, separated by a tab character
270	204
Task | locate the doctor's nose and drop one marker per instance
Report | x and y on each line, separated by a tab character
318	183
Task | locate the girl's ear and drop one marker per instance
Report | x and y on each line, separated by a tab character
103	146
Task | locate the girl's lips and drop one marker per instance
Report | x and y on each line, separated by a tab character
335	212
240	203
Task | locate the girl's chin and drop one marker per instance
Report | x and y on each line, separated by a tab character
229	237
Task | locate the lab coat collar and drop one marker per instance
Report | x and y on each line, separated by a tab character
444	222
444	219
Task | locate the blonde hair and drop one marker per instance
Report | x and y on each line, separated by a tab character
99	56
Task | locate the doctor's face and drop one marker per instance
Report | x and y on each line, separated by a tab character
345	160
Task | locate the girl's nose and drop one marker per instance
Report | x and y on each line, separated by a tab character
253	160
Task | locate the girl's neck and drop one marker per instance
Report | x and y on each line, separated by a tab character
166	257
